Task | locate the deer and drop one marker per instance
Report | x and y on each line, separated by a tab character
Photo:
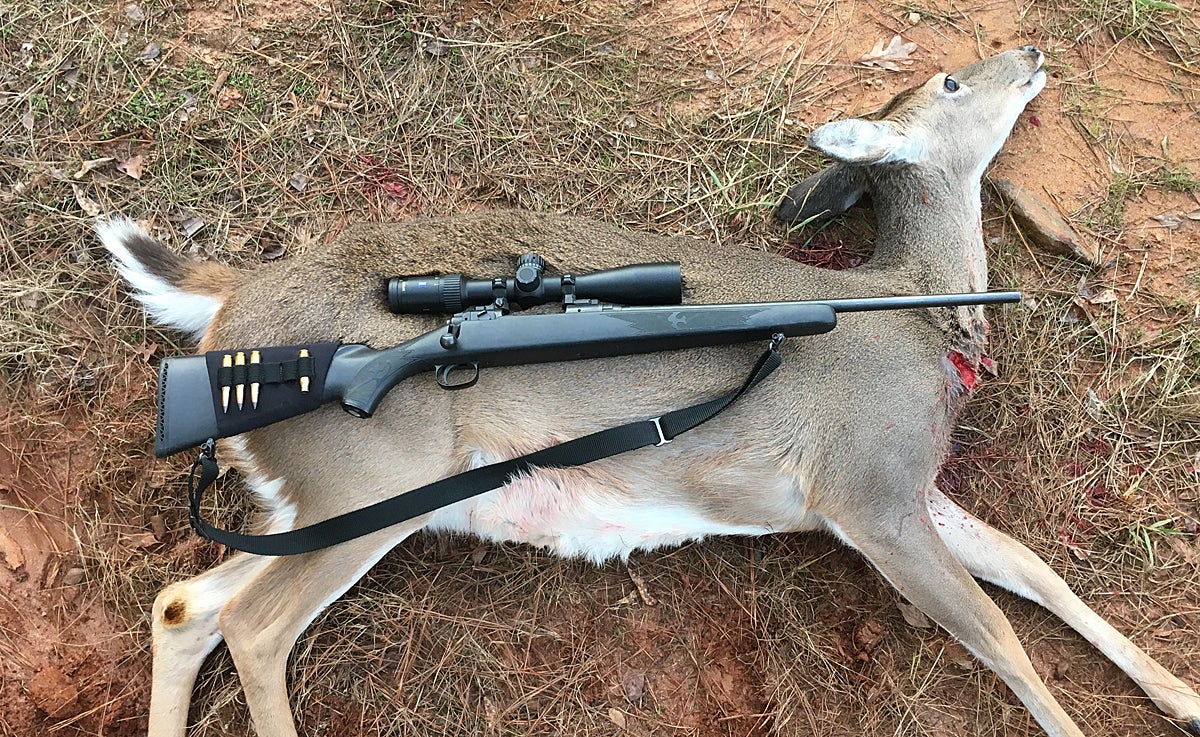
846	437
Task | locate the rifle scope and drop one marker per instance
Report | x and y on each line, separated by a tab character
639	284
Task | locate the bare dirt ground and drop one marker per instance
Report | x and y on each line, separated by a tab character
250	131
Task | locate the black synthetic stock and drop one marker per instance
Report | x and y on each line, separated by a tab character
190	405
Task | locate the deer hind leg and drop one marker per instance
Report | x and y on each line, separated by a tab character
995	557
262	621
185	631
894	532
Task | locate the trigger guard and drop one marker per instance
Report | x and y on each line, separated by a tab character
442	374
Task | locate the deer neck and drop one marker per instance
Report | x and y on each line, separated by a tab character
930	227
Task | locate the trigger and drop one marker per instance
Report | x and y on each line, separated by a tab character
445	379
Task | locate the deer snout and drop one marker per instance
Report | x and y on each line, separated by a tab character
1031	49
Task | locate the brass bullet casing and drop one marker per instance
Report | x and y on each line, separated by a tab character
226	362
255	357
304	379
239	359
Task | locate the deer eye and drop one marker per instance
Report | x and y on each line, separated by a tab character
950	84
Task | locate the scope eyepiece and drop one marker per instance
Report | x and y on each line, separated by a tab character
639	284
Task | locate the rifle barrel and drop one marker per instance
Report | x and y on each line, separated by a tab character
908	302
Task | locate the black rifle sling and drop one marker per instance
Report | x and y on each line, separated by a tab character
425	499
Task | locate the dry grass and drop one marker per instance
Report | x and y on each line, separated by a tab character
394	109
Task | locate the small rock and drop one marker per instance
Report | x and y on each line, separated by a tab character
73	577
914	18
635	686
1042	224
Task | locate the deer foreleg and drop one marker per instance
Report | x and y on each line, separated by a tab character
903	546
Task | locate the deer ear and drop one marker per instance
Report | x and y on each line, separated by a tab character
824	195
856	141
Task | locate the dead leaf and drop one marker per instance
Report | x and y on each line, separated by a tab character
867	637
643	590
150	53
959	656
479	553
132	167
69	72
90	206
914	616
1168	220
1106	297
191	226
141	540
617	717
1093	405
187	222
189	100
1185	551
238	240
435	47
146	351
298	182
229	97
91	165
27	120
1193	215
134	13
273	250
889	57
158	526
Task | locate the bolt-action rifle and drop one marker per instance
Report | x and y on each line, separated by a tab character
195	402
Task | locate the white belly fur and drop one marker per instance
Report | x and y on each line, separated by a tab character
568	513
